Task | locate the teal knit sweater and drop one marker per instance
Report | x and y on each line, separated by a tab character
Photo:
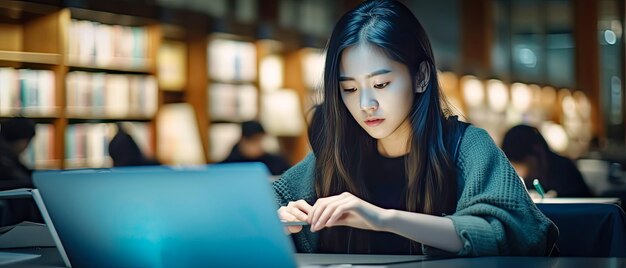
494	214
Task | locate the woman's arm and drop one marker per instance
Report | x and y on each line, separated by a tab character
494	214
348	210
297	184
427	229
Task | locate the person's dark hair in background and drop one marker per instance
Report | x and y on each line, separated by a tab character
15	135
125	152
251	129
250	149
532	158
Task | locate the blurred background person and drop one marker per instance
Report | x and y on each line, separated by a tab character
532	159
15	136
125	152
250	149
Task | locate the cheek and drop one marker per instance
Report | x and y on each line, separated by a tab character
405	103
399	101
351	101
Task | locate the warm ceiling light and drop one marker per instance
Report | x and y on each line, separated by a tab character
473	91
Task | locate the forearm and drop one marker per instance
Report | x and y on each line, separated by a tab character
434	231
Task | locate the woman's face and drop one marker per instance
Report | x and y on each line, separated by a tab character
376	90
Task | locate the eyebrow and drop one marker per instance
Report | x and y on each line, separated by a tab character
379	72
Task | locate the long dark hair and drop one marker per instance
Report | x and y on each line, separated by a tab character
344	145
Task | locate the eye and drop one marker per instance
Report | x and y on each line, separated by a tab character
349	90
381	85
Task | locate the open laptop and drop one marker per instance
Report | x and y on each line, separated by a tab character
218	215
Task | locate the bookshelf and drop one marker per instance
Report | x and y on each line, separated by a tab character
77	73
31	62
232	90
182	116
30	57
96	64
111	79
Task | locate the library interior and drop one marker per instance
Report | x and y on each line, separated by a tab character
188	83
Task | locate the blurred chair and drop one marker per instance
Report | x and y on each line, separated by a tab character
604	178
588	230
595	173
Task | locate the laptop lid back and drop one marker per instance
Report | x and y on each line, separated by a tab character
219	215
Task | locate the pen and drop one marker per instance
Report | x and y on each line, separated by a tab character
538	188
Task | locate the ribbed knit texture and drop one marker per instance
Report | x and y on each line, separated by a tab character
494	214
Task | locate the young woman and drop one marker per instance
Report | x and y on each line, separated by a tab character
390	172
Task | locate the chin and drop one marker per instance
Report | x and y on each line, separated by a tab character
376	134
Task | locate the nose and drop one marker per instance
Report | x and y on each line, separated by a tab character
368	102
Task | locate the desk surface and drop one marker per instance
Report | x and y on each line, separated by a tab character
50	258
563	200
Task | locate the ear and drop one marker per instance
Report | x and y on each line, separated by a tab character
422	79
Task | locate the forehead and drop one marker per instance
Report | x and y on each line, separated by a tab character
364	58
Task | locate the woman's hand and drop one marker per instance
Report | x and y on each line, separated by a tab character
294	211
345	210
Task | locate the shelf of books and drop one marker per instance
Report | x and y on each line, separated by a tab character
78	73
232	91
302	90
86	144
104	95
247	82
28	92
31	76
111	78
182	79
81	73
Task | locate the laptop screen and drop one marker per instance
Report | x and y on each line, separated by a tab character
166	217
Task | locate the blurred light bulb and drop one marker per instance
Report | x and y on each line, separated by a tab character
498	95
473	91
521	96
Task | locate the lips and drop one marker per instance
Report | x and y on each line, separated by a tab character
374	122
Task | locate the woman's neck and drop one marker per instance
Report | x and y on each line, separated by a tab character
396	144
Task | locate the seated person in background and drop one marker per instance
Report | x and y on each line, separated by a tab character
125	152
532	159
250	149
15	136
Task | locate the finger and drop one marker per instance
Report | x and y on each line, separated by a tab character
325	215
284	215
317	207
294	229
337	214
303	205
297	213
320	206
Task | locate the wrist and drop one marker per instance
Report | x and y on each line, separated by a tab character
384	219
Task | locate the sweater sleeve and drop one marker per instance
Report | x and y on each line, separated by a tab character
494	214
295	184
